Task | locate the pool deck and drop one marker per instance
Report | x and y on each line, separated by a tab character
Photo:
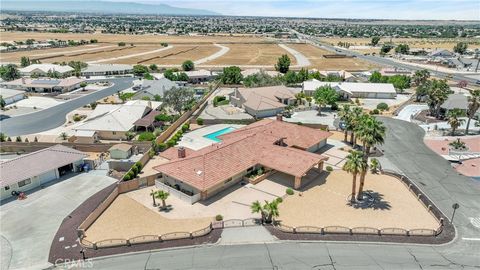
195	140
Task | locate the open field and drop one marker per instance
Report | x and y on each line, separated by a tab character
251	54
315	55
323	202
125	218
137	39
427	43
175	56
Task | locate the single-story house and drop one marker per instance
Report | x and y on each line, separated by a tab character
112	122
121	151
106	69
11	96
42	70
152	88
263	101
85	136
199	76
269	144
35	169
353	90
345	75
441	53
44	85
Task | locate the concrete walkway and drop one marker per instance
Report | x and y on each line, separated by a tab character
130	55
243	235
223	50
302	60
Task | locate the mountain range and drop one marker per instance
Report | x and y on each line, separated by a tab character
101	7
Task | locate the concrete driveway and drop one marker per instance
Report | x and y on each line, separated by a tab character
29	226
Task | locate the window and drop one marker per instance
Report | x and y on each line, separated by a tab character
114	132
7	187
24	182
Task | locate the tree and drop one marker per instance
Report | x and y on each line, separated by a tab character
24	61
473	106
77	67
260	79
454	119
371	132
153	193
402	49
345	114
83	85
376	77
2	102
386	48
178	99
188	65
153	67
400	82
9	72
283	64
162	195
267	211
375	40
3	137
121	44
290	77
354	164
63	136
354	120
420	77
437	94
325	95
139	70
303	75
374	165
460	48
231	75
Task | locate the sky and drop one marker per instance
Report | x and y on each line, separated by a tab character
355	9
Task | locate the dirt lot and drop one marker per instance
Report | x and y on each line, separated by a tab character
251	54
315	55
137	39
106	54
126	218
427	43
324	203
175	56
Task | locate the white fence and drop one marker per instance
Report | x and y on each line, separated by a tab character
177	193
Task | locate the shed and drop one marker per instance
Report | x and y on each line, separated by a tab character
121	151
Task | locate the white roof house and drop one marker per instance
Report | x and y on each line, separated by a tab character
44	84
106	69
43	69
151	88
353	90
11	96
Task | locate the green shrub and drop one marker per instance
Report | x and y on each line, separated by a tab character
161	147
151	152
218	217
185	127
382	106
146	136
374	111
279	200
139	165
157	132
357	101
163	118
126	177
171	143
289	191
200	121
334	107
329	168
134	169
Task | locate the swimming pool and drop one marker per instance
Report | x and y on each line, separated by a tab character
213	136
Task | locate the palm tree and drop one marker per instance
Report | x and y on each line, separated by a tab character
454	119
344	115
268	211
371	132
63	135
354	164
153	197
256	207
355	118
473	106
374	165
162	195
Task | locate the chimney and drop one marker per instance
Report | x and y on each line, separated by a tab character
279	117
181	152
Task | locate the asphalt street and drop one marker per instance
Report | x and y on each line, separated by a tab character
55	116
404	147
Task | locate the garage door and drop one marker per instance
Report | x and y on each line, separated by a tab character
48	176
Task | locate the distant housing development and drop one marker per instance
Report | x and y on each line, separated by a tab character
271	144
353	90
35	169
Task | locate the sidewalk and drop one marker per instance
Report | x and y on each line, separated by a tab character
246	235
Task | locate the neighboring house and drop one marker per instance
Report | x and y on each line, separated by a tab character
345	75
349	90
121	151
43	69
35	169
106	69
268	144
44	85
253	71
263	101
455	101
85	136
11	96
467	64
199	76
112	122
442	53
152	88
395	71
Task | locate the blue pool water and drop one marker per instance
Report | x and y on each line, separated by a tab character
213	136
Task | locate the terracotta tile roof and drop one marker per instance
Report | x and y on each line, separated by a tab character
37	163
211	165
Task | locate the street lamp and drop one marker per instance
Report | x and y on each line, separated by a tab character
455	206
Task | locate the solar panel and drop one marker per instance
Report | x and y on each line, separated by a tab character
49	82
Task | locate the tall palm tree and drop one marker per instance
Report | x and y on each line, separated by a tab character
153	197
344	115
371	132
354	164
162	195
454	119
473	106
257	207
355	118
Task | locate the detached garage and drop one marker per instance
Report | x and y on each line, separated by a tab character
11	96
32	170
